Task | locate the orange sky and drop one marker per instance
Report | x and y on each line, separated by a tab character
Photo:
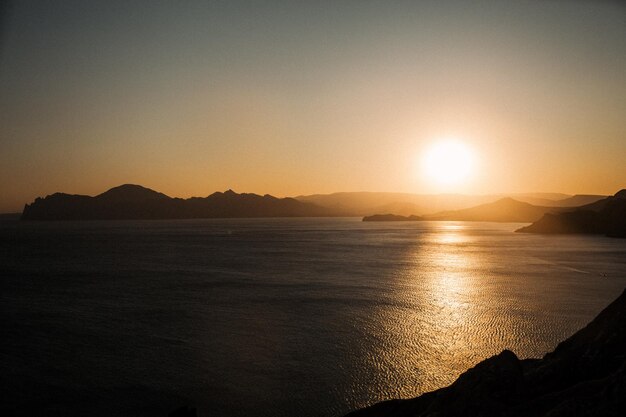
192	98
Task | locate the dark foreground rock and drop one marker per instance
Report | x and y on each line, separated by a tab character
607	217
584	376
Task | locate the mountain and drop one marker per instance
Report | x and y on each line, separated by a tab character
131	192
606	216
391	218
136	202
503	210
584	376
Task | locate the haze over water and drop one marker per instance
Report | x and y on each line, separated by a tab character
278	317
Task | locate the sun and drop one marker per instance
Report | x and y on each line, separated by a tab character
448	162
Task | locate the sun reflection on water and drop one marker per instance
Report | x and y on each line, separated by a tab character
438	292
450	287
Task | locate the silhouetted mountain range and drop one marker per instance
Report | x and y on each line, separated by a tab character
404	204
584	376
607	216
136	202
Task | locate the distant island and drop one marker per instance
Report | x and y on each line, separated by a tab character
607	217
391	218
130	201
584	376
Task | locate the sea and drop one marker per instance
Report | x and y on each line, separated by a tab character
278	317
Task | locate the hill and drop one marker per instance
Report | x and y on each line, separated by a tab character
503	210
607	216
584	376
136	202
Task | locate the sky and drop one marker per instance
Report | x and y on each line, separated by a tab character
291	98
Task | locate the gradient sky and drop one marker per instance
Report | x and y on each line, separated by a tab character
292	98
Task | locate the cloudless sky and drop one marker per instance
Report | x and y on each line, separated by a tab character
289	98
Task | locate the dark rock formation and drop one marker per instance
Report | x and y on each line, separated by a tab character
584	376
136	202
391	218
607	216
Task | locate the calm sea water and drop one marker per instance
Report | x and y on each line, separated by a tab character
278	317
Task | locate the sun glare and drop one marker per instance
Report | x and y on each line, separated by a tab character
448	162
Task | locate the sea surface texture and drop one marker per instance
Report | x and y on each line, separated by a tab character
278	317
